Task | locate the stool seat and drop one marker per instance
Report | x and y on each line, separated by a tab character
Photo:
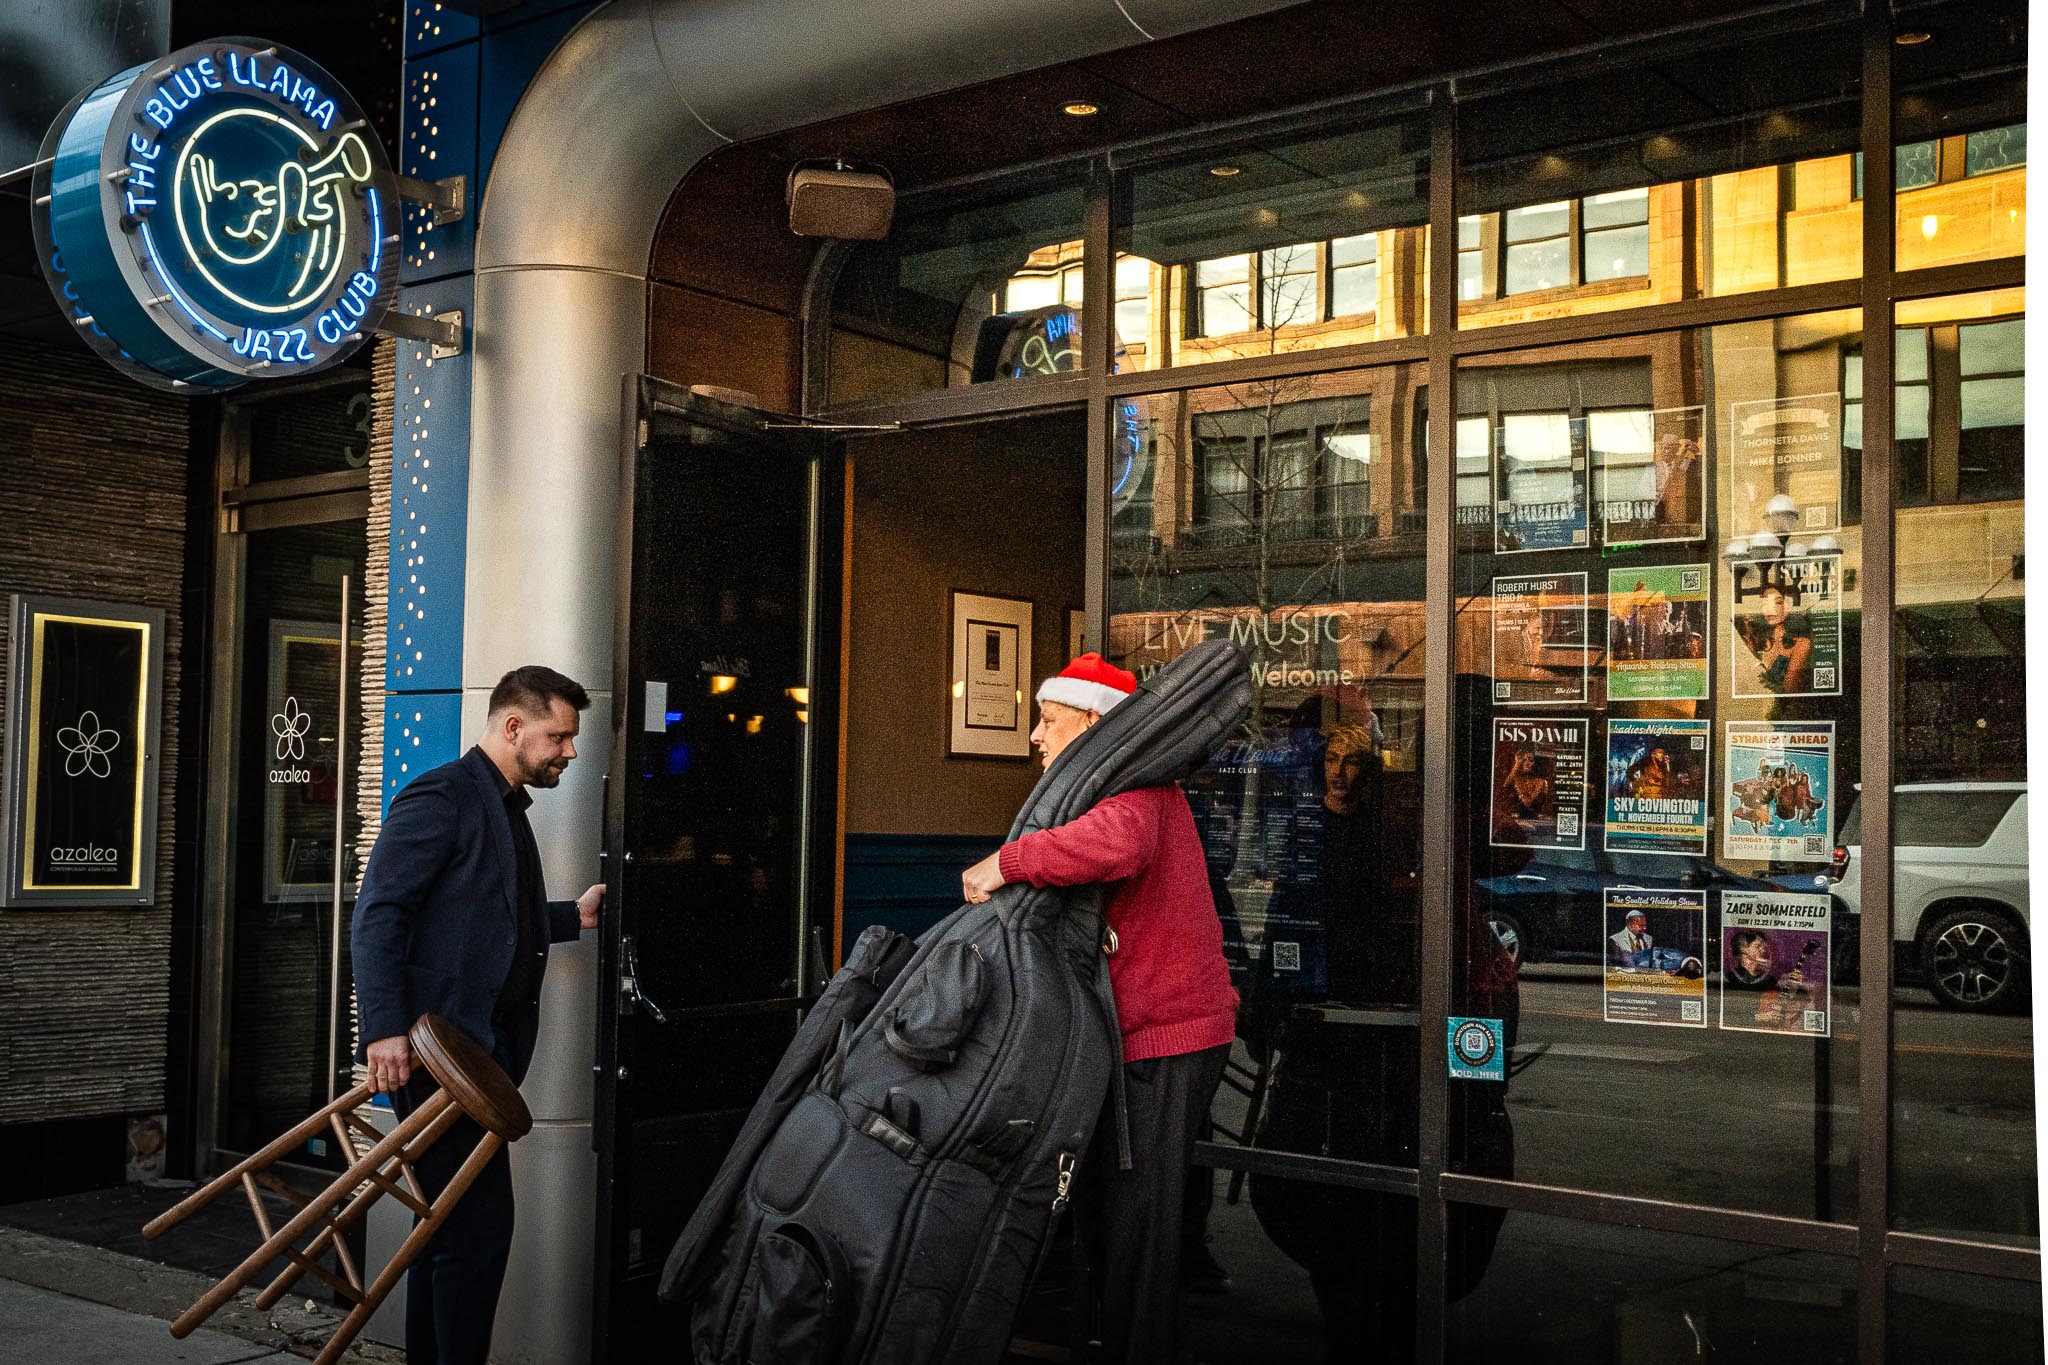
471	1076
471	1083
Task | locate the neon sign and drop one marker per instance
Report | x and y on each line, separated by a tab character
222	214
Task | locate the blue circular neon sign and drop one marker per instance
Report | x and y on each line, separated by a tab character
222	214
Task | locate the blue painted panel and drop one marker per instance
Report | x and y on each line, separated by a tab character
437	139
431	27
512	54
908	882
429	501
421	731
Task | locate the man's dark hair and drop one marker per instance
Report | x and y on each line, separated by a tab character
534	688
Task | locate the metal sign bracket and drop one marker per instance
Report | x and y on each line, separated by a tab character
441	331
449	199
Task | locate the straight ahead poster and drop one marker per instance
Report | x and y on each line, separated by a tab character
1539	783
1655	971
1787	623
1787	464
1780	782
1541	639
1776	963
1657	785
1657	633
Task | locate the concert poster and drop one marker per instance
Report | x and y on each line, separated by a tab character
1539	783
1653	484
1542	639
1657	786
1655	969
1540	496
1779	780
1786	623
1776	963
1657	633
1789	448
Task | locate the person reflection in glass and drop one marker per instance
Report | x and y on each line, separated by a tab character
1780	643
1345	1078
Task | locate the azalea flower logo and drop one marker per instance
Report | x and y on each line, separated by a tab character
86	747
290	726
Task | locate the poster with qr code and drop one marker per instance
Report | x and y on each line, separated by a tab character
1652	474
1785	617
1655	956
1657	785
1542	640
1786	466
1658	633
1776	963
1539	483
1539	783
1778	778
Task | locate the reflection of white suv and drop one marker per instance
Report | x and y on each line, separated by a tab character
1959	887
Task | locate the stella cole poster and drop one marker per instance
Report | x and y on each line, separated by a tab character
1780	780
1775	963
1541	639
1539	783
1657	633
1654	973
1788	448
1787	620
1652	475
1657	786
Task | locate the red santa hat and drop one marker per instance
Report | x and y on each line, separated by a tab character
1090	683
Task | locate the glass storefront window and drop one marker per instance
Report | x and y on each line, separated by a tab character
1941	1315
1715	173
1959	117
959	295
1657	672
1556	1292
323	432
1962	1028
1307	243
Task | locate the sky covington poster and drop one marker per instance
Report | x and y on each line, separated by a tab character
1776	963
1779	777
1539	783
1657	785
1654	971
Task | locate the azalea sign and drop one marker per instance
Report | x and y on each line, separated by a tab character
221	214
82	718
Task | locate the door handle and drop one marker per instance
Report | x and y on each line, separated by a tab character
631	998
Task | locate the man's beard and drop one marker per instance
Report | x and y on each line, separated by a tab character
547	775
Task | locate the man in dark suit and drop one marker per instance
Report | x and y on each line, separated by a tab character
453	920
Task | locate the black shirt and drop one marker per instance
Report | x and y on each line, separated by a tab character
530	950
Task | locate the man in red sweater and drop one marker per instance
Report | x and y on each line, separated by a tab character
1174	1002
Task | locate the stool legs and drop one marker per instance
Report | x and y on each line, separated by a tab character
319	1209
413	1244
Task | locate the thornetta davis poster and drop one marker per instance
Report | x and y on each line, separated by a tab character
1539	783
1786	464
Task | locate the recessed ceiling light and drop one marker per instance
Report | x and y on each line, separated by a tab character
1080	109
1913	37
1224	171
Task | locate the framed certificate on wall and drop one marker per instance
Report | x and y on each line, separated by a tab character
991	655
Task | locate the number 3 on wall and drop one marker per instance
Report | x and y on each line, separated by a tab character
359	408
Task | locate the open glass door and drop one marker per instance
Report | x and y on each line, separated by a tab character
720	814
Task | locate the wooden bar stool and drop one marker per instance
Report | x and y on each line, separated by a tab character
471	1083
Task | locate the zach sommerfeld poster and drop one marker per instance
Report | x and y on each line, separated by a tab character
1776	963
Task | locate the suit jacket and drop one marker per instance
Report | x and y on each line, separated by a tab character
1624	954
435	923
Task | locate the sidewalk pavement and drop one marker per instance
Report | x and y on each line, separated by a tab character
65	1303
